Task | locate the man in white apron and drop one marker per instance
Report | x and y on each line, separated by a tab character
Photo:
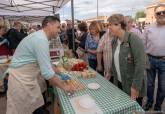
32	57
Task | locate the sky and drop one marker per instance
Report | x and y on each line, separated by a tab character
84	9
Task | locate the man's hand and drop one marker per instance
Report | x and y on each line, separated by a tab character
134	93
68	89
56	82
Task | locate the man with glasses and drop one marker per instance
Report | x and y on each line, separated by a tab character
154	41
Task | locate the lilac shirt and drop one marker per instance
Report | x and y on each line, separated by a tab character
154	40
136	32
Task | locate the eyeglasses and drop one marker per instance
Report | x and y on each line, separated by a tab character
160	13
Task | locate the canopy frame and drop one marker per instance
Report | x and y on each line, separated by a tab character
30	7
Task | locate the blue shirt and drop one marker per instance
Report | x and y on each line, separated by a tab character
92	44
34	49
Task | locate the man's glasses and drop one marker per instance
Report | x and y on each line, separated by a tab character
160	13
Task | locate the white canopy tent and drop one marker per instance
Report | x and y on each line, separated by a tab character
30	7
33	9
29	10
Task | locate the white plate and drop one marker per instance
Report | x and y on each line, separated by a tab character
87	103
93	86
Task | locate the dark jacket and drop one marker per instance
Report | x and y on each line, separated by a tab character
14	38
83	40
132	64
70	37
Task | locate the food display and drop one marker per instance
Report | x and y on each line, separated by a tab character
75	84
79	66
88	74
83	74
74	61
77	74
74	64
75	68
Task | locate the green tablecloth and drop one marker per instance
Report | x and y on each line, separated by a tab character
108	97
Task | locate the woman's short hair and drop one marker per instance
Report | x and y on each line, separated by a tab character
83	27
117	19
48	19
95	25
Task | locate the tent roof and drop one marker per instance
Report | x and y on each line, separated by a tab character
29	19
30	7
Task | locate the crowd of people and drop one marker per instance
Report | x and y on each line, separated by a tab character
123	54
126	55
10	38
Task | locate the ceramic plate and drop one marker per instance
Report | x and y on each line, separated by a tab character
93	86
87	103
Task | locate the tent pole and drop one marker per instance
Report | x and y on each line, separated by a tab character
73	32
97	10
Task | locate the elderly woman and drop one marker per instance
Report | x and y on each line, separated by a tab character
128	59
92	43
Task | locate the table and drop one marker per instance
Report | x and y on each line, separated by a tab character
109	98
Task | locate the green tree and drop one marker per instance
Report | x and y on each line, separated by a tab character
140	14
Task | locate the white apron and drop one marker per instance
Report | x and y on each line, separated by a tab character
24	94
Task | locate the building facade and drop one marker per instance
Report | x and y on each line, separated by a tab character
102	19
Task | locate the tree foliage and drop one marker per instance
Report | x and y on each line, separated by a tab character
140	14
